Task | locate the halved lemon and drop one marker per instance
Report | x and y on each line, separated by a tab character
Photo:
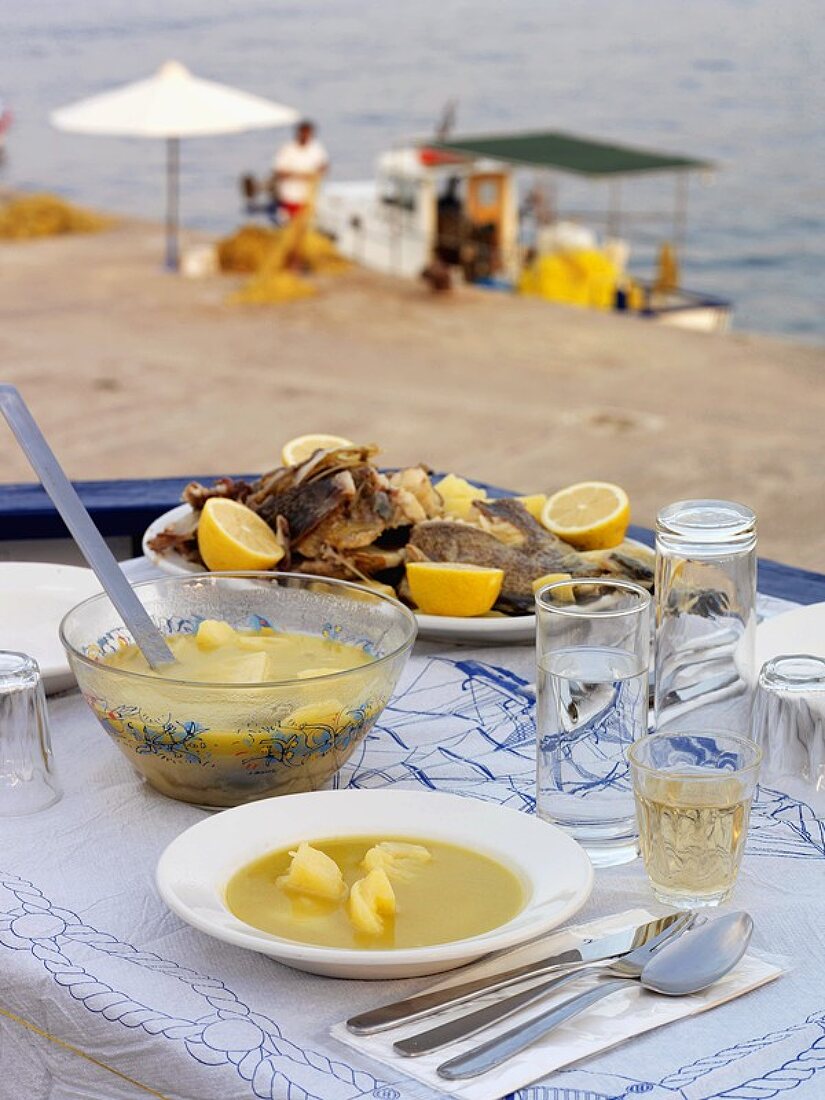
593	515
453	588
302	447
232	536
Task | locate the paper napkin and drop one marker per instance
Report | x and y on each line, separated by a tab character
610	1022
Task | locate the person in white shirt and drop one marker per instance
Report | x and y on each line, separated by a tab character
298	167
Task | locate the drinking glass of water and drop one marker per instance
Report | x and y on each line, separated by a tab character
693	798
592	651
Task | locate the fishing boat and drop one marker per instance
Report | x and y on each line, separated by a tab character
459	205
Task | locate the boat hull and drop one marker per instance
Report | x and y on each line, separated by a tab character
394	239
382	236
689	309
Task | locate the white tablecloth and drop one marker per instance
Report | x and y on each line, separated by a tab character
105	994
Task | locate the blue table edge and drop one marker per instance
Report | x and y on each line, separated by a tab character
126	508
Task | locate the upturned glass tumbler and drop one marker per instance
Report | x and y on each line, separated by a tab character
789	720
27	779
705	614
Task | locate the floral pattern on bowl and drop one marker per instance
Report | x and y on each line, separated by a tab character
223	744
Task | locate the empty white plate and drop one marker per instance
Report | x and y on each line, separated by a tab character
193	871
34	597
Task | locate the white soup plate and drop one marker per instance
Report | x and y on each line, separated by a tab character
193	871
34	597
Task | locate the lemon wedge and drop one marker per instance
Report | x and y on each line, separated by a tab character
453	588
302	447
232	536
593	515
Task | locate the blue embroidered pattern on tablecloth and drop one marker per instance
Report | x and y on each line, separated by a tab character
232	1033
461	726
273	1066
467	727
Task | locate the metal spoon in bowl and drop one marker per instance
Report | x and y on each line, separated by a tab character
148	638
687	964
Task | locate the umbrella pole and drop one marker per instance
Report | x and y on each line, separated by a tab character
172	191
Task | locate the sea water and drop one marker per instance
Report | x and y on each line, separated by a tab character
591	706
738	83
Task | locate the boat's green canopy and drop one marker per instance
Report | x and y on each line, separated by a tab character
567	153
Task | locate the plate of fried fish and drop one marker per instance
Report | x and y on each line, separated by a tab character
466	558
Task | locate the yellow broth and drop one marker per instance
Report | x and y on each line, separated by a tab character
457	894
217	654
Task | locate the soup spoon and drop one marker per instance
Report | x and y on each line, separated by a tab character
148	638
687	964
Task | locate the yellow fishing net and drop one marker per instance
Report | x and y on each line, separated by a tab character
273	287
248	248
279	260
581	277
44	215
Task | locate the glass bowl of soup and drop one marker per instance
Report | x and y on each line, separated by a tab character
277	679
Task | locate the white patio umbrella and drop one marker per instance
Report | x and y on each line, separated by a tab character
172	104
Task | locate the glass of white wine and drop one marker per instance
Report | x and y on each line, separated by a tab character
693	795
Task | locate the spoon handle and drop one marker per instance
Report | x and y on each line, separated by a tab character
498	1050
82	528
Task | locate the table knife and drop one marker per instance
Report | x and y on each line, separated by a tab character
606	947
470	1023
